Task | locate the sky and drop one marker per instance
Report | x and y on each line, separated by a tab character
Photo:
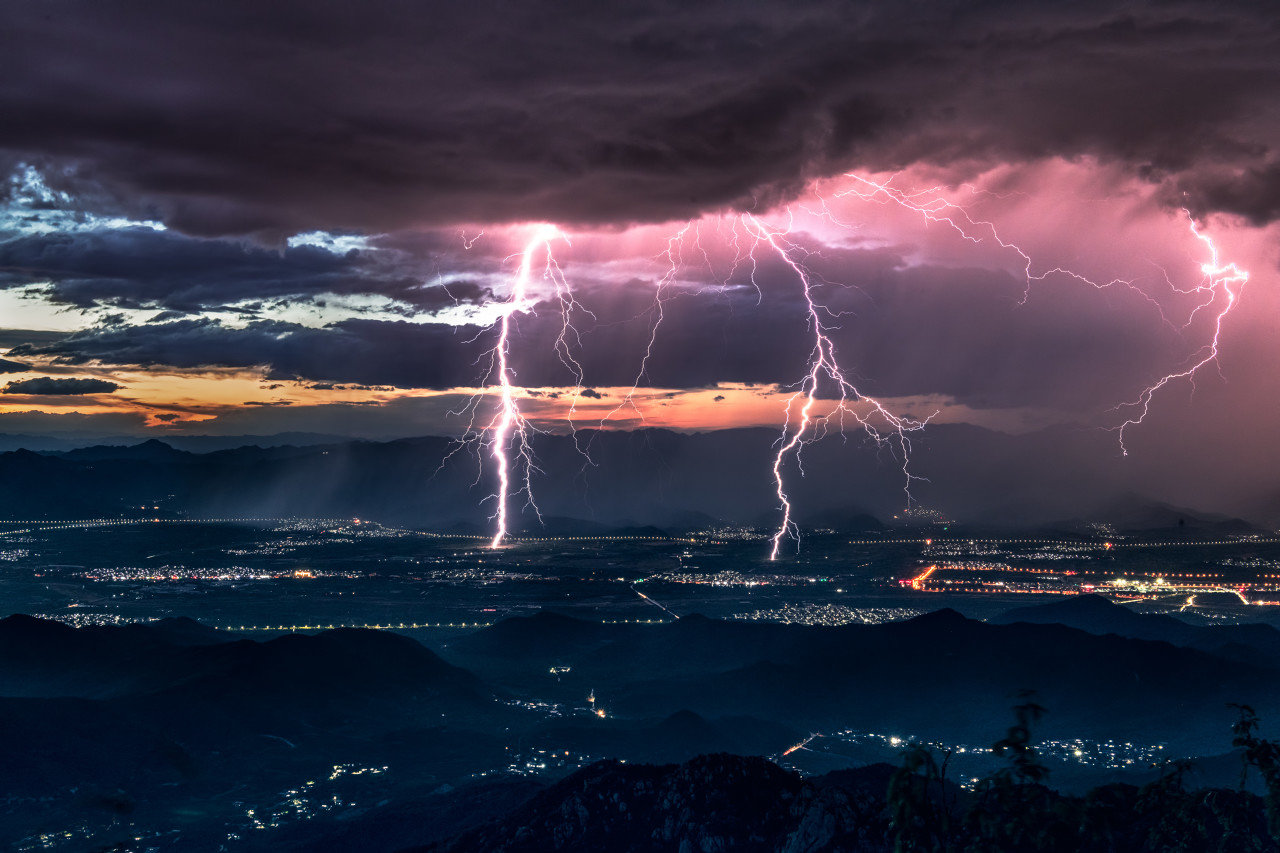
234	218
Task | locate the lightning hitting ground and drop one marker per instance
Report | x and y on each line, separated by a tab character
824	400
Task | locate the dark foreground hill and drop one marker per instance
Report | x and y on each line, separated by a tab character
1098	615
179	660
184	736
892	677
714	802
174	725
724	803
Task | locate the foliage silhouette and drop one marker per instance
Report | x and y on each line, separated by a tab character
1013	810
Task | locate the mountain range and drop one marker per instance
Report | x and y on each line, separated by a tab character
177	726
643	478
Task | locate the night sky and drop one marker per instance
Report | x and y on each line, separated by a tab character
225	218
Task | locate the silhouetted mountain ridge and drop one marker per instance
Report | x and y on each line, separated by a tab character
890	676
714	802
643	479
1098	615
185	661
178	714
725	802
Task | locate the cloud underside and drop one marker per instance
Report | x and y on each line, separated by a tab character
212	133
1062	348
50	386
273	119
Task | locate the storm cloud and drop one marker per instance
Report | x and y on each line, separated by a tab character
143	268
52	386
307	200
999	351
362	351
232	118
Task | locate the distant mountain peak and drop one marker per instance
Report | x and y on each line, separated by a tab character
21	623
943	617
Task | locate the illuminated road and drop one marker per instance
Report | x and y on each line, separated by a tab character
917	582
802	744
34	525
1100	545
37	525
405	626
402	626
659	605
1131	588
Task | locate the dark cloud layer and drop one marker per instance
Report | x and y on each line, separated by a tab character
363	351
909	331
52	386
234	118
143	268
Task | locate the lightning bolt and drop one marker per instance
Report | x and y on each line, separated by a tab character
811	426
505	437
1220	283
509	422
674	258
934	208
824	399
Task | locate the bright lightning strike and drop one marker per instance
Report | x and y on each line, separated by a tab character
934	208
824	399
823	369
507	434
1220	282
509	422
673	255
